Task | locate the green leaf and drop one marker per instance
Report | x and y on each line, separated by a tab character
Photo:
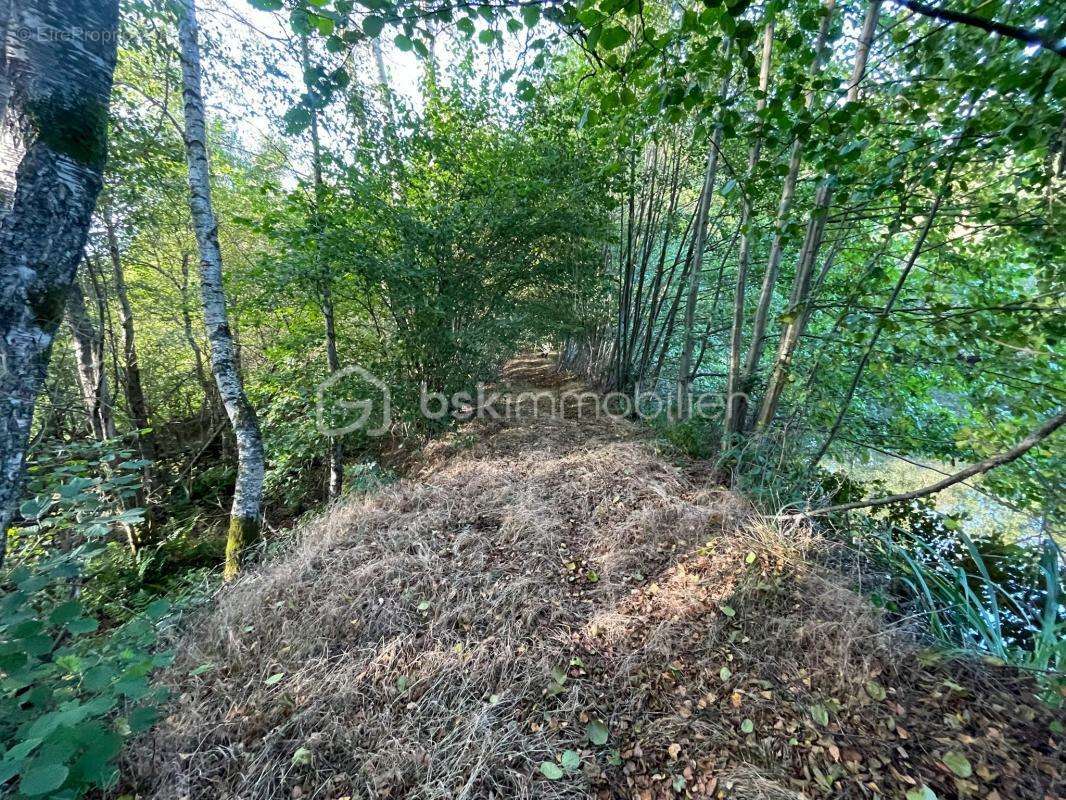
747	726
403	43
324	25
157	609
921	793
83	625
571	760
22	749
372	25
267	5
725	674
273	679
98	677
729	611
875	690
597	732
8	770
550	770
487	36
958	763
819	714
37	645
64	613
531	15
614	37
301	757
43	779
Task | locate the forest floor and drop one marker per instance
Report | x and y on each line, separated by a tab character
557	607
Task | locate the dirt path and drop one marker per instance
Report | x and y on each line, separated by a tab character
552	607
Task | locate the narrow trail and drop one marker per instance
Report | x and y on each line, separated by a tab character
552	607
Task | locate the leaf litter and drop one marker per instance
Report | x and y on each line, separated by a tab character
444	638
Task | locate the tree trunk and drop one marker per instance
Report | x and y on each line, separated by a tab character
797	308
788	190
132	385
91	372
61	90
245	513
735	400
684	368
800	298
325	281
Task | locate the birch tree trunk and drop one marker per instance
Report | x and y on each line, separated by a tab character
245	513
59	90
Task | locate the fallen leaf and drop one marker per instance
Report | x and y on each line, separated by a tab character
958	763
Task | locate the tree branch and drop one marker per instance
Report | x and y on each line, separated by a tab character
980	468
1010	31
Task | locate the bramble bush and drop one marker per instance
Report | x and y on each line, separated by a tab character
71	689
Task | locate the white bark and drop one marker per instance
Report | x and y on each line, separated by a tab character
60	87
91	371
248	488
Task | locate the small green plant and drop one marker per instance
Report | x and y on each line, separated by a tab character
1000	598
696	437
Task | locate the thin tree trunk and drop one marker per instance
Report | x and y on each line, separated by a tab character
797	310
245	513
324	279
735	399
788	190
42	234
800	298
998	460
91	371
131	369
210	391
684	368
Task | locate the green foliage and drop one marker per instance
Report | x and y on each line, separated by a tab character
70	691
985	594
76	494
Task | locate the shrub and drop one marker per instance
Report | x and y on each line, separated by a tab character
70	691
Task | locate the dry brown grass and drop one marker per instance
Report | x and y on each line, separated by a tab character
421	634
